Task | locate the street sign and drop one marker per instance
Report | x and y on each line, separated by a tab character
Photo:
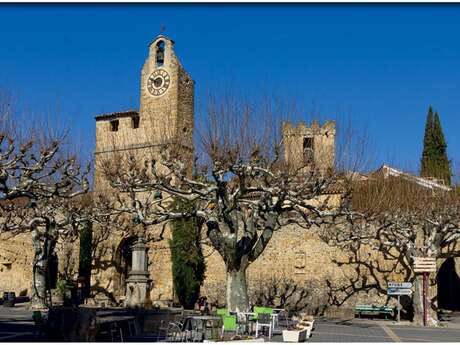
398	291
403	285
424	265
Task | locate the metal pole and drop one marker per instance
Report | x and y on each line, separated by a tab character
425	304
399	309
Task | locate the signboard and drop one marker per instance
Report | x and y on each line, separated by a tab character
398	291
403	285
424	265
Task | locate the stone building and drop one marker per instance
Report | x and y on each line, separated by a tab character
310	147
166	115
293	255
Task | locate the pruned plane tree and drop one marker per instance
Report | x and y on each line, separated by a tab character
42	192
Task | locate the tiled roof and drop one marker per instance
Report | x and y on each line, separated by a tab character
429	183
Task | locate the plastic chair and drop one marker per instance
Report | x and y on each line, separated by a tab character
264	320
261	310
222	311
229	324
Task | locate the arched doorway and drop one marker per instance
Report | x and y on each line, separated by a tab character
448	286
123	264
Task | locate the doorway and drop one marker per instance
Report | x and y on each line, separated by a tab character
123	264
448	286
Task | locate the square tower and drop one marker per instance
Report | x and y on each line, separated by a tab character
166	112
309	147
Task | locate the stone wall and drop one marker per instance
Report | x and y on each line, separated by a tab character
16	262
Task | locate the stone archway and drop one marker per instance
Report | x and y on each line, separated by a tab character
448	282
123	264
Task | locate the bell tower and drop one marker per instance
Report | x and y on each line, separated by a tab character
167	95
166	112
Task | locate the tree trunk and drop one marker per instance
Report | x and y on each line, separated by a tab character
418	303
237	292
39	289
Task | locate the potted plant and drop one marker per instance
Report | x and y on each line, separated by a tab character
300	332
62	291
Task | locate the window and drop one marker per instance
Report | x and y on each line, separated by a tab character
308	149
135	121
160	53
114	125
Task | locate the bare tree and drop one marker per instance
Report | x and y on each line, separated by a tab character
402	221
242	193
40	193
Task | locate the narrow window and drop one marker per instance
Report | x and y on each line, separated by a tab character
135	121
114	125
308	149
160	54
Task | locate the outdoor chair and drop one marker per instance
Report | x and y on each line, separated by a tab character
174	332
229	324
222	311
261	310
194	331
264	320
164	325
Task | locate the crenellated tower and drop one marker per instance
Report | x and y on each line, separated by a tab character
309	147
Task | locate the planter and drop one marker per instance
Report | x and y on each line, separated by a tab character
296	336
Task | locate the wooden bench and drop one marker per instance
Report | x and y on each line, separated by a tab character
365	309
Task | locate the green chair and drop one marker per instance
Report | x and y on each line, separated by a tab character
261	310
263	318
229	324
222	312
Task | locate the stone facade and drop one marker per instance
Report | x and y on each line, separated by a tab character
16	262
166	115
310	147
293	253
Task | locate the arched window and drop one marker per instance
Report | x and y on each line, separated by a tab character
160	53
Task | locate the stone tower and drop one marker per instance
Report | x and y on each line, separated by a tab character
309	147
165	117
167	94
166	111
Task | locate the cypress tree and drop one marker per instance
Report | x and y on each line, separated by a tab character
434	161
188	265
442	163
429	151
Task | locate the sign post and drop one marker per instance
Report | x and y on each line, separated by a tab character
425	266
399	289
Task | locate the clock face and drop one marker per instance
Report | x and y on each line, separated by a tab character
158	82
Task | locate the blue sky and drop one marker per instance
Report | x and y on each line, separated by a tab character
383	65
